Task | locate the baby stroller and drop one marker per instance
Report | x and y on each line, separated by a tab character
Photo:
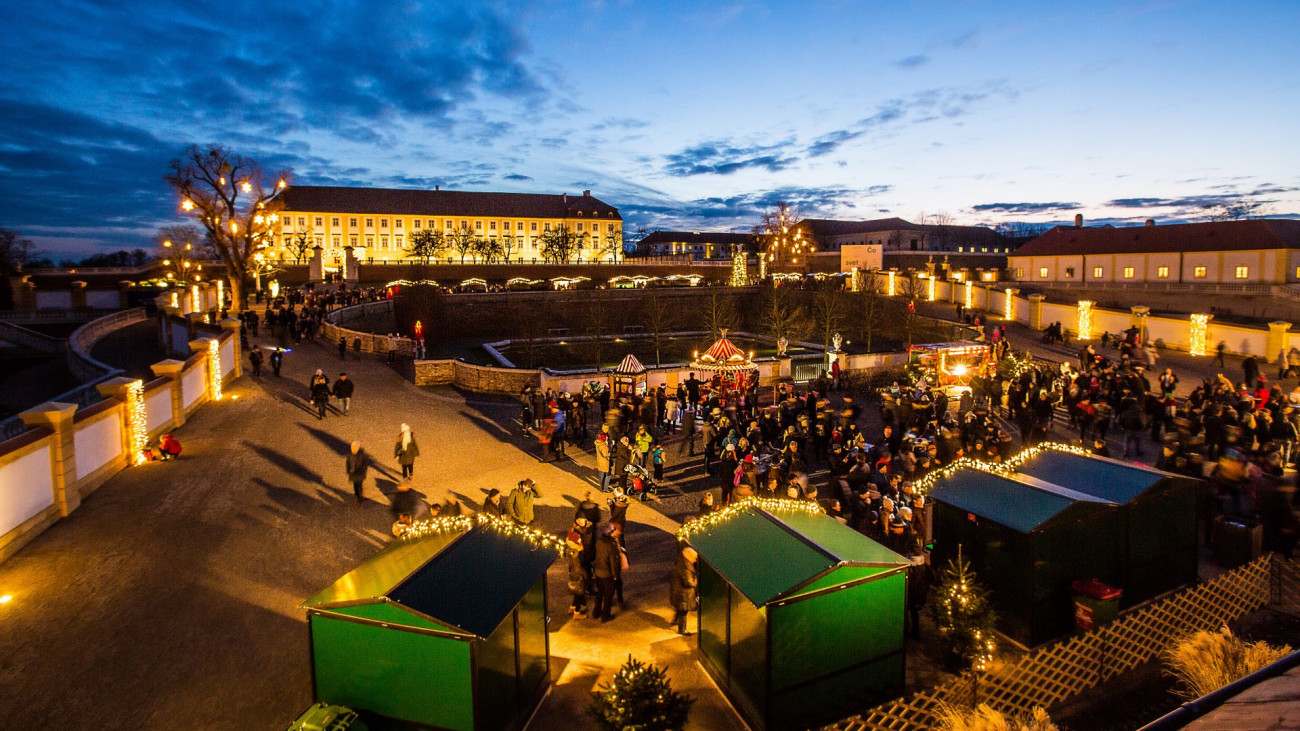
642	485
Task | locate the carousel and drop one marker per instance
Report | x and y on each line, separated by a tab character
728	366
630	378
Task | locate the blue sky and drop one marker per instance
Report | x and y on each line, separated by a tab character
684	115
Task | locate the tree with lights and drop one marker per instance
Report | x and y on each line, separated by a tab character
235	201
179	249
640	698
960	609
781	236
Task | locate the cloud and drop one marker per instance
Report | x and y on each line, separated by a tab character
721	157
1024	207
919	108
624	123
517	177
740	212
912	62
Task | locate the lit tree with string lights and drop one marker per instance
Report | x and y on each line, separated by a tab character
235	201
782	238
180	245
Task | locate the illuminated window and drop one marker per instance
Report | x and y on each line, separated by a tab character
353	239
1097	272
383	240
1243	272
1020	272
1128	272
318	221
1042	272
320	240
1069	272
338	241
1162	272
370	242
398	240
1198	272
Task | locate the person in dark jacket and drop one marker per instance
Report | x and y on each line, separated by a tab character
493	505
342	390
622	458
606	569
579	575
277	360
357	465
320	394
685	583
406	450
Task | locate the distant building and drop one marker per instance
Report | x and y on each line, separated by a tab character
699	244
1257	251
896	234
377	222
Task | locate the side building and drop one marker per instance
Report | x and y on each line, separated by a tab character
896	234
698	244
1257	251
378	222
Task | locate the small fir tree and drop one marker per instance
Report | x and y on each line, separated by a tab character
960	609
639	698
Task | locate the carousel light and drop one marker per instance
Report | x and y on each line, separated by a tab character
1200	330
1084	319
214	368
960	369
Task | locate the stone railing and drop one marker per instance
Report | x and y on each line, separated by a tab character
83	340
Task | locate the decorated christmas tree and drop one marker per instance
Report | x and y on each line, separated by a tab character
961	611
640	698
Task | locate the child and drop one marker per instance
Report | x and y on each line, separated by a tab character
657	455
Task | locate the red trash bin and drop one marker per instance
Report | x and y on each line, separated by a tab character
1096	604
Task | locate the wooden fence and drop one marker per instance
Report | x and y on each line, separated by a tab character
1054	673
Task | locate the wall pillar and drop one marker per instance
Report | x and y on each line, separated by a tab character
24	292
1138	318
63	456
123	288
316	267
193	318
232	325
1277	339
171	370
351	267
78	295
1036	311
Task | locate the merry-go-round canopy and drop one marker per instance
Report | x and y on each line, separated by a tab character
723	357
630	366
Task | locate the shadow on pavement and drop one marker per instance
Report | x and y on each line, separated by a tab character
286	463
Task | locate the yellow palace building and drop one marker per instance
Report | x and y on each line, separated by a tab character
378	222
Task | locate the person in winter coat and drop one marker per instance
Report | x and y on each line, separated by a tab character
622	458
320	394
579	576
357	465
603	458
406	450
342	390
519	506
493	505
685	583
606	569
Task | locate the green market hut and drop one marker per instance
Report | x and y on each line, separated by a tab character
1027	540
801	617
446	630
1158	546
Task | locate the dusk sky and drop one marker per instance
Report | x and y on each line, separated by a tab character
683	115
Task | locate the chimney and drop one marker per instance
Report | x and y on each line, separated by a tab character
1078	220
1151	222
437	187
586	194
565	198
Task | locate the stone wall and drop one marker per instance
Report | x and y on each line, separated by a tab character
476	378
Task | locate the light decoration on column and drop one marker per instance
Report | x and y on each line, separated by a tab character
1008	306
176	299
221	293
195	304
1084	319
970	295
855	282
762	266
892	288
785	505
930	293
1200	330
137	422
214	368
739	277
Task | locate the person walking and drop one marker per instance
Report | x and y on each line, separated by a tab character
603	458
578	575
1219	350
320	393
657	458
277	359
682	593
406	450
357	465
622	458
255	359
688	433
606	569
519	506
342	390
343	347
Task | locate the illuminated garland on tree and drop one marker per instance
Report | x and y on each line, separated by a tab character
639	697
772	505
504	526
1002	469
214	368
961	611
739	275
137	422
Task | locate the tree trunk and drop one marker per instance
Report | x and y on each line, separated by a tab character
236	293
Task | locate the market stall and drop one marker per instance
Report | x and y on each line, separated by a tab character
801	617
630	378
1027	540
951	366
445	629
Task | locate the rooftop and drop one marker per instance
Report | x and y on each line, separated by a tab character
1260	233
406	202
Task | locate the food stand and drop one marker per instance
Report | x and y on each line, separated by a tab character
630	378
951	366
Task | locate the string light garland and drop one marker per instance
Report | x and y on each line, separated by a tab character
1199	334
970	295
762	266
504	526
739	275
137	422
1085	319
214	368
930	294
892	288
1008	305
772	505
1002	469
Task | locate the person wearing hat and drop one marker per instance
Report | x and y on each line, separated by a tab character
579	571
519	506
683	592
492	504
606	570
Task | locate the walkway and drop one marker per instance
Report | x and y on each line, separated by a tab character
169	599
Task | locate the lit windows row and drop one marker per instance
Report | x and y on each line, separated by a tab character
398	241
448	224
1198	272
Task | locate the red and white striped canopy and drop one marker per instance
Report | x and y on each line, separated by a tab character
630	365
723	356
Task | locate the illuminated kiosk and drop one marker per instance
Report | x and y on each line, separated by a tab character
801	617
952	365
724	360
447	630
630	378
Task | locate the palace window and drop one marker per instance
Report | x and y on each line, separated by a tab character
1042	272
492	225
1069	272
1128	272
397	223
519	226
318	221
398	240
352	222
353	239
478	225
302	220
383	240
338	241
1097	272
1162	272
534	226
1198	272
1243	273
415	223
383	223
370	223
370	242
579	226
334	222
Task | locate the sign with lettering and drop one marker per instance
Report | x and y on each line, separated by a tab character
862	256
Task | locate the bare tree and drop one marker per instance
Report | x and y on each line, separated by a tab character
561	243
15	253
783	316
718	312
487	248
828	311
781	235
462	241
941	226
611	245
660	319
1236	209
509	244
299	244
869	307
910	291
425	243
234	200
598	314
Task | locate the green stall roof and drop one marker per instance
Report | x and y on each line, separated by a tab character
768	555
1108	479
1020	502
468	580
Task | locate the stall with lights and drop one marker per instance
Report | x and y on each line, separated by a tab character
951	366
807	630
630	378
443	628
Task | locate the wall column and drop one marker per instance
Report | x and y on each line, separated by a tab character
1036	311
78	295
316	267
171	370
232	325
58	417
1277	340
